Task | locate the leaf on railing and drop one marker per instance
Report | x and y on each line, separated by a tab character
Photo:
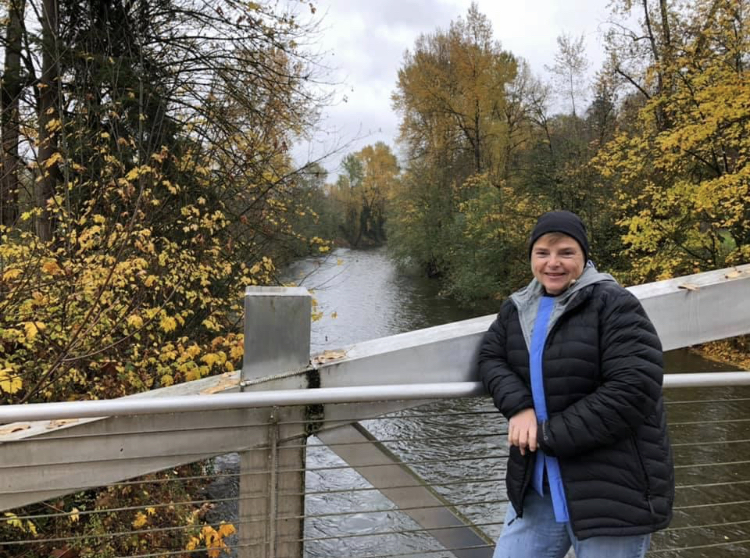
14	428
688	287
328	356
228	380
58	423
734	274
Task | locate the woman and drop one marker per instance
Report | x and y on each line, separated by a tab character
575	365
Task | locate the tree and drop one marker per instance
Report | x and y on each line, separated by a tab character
381	175
157	135
48	114
681	169
146	181
10	96
362	192
347	193
451	91
451	96
570	68
644	58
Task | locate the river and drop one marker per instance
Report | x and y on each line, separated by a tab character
361	295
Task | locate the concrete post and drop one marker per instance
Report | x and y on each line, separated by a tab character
277	340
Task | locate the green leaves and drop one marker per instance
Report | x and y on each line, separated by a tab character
682	168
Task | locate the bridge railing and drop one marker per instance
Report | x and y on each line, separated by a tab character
420	481
51	450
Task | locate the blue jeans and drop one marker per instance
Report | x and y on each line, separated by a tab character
537	535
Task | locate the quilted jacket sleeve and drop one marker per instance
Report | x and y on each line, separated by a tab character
631	378
508	390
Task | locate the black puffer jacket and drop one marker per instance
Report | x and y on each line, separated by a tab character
602	369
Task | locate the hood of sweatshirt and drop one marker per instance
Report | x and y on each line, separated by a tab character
527	299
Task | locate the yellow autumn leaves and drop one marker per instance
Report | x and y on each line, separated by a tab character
10	380
209	537
213	539
361	194
167	324
125	314
32	329
23	525
681	167
131	229
142	518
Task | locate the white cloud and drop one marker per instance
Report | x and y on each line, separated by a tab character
365	41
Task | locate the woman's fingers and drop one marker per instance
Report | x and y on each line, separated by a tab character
532	436
513	435
523	437
522	431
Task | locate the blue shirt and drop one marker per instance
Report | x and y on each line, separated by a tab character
538	338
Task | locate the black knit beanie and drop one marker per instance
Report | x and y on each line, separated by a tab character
563	222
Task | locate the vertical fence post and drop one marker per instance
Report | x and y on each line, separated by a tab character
272	482
290	484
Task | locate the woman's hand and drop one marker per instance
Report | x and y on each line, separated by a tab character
522	430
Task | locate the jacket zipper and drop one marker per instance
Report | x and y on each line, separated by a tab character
644	473
575	304
524	485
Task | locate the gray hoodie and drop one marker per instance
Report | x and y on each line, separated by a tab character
527	299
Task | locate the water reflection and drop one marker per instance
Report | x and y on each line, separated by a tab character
362	296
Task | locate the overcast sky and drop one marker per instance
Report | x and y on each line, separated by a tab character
363	42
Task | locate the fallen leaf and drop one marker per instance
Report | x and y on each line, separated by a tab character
734	274
14	428
227	381
328	356
688	287
59	423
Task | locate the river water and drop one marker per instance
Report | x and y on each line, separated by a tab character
361	296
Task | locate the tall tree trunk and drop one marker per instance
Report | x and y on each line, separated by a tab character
9	119
666	33
661	119
478	138
48	101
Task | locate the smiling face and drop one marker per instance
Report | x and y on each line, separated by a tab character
556	261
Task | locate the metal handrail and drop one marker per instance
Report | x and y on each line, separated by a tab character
291	397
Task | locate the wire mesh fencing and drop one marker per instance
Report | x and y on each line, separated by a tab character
420	482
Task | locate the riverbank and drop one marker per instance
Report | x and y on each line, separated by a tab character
729	352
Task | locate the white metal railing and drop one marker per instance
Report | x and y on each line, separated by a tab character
282	398
454	448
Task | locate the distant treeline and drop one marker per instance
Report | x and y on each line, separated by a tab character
653	154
